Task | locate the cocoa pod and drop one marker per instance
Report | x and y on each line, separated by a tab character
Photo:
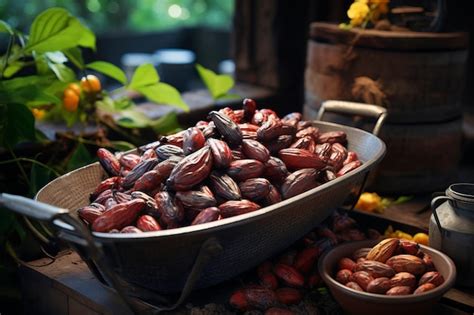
282	142
336	158
227	128
255	150
249	135
89	214
130	229
249	106
306	143
171	213
351	157
275	170
148	154
147	223
343	276
210	131
239	301
121	197
166	151
151	145
332	137
259	118
379	285
254	188
353	285
144	197
221	153
260	297
303	124
383	250
241	170
206	215
298	182
326	176
293	116
201	125
289	275
310	131
238	116
288	296
268	280
375	268
137	172
323	151
103	196
432	277
399	290
403	279
129	161
229	112
232	208
407	263
193	140
428	262
97	206
346	263
238	155
298	158
339	148
424	288
269	130
109	203
224	186
248	127
191	170
362	278
164	168
119	216
109	162
272	197
174	139
197	199
306	259
109	183
348	167
409	247
148	181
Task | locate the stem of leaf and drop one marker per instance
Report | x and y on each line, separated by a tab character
11	41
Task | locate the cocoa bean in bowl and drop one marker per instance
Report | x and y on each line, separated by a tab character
395	283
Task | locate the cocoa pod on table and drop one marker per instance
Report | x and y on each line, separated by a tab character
255	188
298	158
166	151
197	199
232	208
298	182
119	216
224	186
191	170
109	162
193	140
171	213
255	150
140	169
241	170
221	153
227	128
147	223
206	215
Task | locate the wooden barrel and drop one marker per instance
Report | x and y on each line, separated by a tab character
417	76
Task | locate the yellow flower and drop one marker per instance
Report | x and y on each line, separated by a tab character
369	202
358	12
38	113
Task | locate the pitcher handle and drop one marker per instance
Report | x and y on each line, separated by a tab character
435	203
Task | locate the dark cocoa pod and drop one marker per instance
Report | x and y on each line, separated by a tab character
323	150
273	196
119	216
130	229
310	131
224	186
255	150
147	223
89	214
248	127
165	151
129	161
121	197
206	215
174	139
152	145
148	181
348	167
166	167
306	143
221	153
282	142
332	137
245	169
103	196
137	172
298	158
432	277
249	106
275	170
109	162
238	155
255	188
109	183
191	170
299	182
150	201
193	140
232	208
271	129
227	128
148	154
197	199
336	158
170	212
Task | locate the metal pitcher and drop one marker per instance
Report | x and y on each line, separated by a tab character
452	229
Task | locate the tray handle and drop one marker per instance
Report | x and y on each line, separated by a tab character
353	108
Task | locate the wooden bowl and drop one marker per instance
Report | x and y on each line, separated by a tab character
356	302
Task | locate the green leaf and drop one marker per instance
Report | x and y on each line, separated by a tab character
107	104
56	56
218	85
55	29
75	56
166	124
17	124
6	28
163	93
133	119
13	68
144	75
122	145
79	158
69	117
108	69
402	199
62	72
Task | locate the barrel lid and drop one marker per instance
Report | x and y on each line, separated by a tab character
394	40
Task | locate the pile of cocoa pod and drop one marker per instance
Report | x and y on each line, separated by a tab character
392	267
235	163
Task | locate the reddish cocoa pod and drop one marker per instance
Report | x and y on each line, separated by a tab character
121	197
166	167
353	285
362	278
191	170
270	113
103	196
232	208
298	158
332	137
109	162
130	229
282	142
97	206
202	124
109	203
238	116
268	280
235	116
129	161
248	127
432	277
306	143
241	170
166	151
336	158
298	182
289	275
152	145
278	311
288	296
348	167
409	247
119	216
351	157
255	188
273	196
249	135
407	263
271	129
148	154
239	301
275	170
375	268
224	186
314	280
399	290
293	116
148	181
403	279
428	262
303	124
306	259
193	140
197	199
147	223
311	131
221	153
346	263
141	195
171	213
255	150
249	106
174	139
424	288
227	128
343	276
206	215
260	297
89	214
323	151
259	118
238	155
379	285
137	172
210	131
109	183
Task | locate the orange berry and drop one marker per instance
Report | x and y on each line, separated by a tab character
90	84
75	87
70	100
